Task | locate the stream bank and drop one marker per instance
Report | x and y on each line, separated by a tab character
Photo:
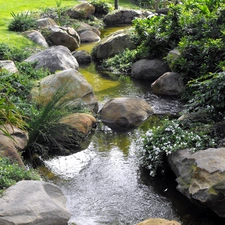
104	183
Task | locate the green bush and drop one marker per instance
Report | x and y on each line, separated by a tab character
208	95
170	137
22	22
10	173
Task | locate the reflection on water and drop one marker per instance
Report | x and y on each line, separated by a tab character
103	186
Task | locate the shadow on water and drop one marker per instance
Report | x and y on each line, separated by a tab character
104	184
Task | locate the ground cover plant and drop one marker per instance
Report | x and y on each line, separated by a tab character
10	173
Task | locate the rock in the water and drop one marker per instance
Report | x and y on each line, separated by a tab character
201	177
112	45
82	57
158	221
33	203
169	83
82	122
149	69
125	113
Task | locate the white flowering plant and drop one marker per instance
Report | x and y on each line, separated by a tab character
161	141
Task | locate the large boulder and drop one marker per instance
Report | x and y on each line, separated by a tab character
66	36
77	90
125	113
54	58
201	177
82	122
81	11
169	83
8	65
149	69
82	27
33	202
10	146
89	36
113	44
36	37
158	221
124	16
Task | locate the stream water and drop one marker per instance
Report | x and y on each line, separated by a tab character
104	184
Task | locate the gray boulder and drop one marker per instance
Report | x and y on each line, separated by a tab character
36	37
113	44
66	36
89	36
33	202
201	177
82	57
82	27
169	83
77	90
125	113
8	65
81	11
124	16
149	69
54	58
45	22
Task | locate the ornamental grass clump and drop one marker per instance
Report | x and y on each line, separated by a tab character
163	140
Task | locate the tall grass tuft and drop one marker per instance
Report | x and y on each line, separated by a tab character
47	135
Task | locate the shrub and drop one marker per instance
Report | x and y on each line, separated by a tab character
10	173
208	95
168	138
22	22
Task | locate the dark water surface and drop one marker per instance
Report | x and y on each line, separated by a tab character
104	184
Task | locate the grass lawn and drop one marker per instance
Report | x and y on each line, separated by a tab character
17	6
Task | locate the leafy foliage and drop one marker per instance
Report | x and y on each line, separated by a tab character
122	62
13	53
170	137
208	95
22	22
17	86
10	173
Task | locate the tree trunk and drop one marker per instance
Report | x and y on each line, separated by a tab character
116	4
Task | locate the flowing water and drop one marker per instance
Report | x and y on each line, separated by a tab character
104	184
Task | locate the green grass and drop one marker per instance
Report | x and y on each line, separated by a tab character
17	6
